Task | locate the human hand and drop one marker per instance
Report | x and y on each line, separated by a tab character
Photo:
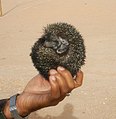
40	93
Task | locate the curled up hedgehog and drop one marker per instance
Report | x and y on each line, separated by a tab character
60	45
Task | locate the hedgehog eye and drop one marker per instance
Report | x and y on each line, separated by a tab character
55	45
48	44
51	44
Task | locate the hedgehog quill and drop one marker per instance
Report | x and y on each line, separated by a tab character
60	45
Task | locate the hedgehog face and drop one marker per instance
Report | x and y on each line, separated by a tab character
60	45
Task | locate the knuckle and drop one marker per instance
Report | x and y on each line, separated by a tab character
66	73
72	87
79	84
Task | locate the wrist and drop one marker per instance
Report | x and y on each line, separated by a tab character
19	106
6	110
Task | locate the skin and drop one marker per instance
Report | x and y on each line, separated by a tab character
40	93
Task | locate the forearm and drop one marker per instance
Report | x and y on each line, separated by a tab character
6	111
4	107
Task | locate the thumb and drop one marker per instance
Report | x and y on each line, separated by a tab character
79	79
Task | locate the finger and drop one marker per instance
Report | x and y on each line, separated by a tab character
62	84
79	79
55	91
61	81
53	72
67	76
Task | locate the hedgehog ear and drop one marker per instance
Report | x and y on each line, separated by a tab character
47	36
41	40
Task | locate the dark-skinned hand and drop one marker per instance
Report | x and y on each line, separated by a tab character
40	93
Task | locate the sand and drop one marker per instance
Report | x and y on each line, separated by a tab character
21	25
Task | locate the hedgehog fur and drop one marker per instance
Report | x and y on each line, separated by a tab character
60	45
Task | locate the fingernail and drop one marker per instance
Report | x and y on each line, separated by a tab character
52	78
79	71
61	68
52	72
74	77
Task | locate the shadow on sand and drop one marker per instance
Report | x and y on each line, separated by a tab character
66	114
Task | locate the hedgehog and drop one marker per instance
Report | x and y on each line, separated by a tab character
59	45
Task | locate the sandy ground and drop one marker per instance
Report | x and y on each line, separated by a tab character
22	24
